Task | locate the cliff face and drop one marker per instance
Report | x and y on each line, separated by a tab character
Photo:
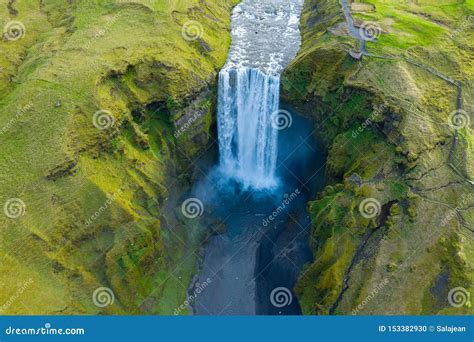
393	230
101	105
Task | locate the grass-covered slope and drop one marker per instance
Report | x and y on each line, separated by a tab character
92	98
393	233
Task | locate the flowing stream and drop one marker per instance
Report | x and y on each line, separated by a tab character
268	168
265	38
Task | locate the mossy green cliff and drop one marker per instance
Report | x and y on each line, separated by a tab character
386	121
100	204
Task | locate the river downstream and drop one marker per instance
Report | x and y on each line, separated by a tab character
266	240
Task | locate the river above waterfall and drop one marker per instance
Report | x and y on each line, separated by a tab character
265	34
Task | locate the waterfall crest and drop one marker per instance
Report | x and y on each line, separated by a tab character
249	87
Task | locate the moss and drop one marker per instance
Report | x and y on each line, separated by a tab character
452	274
384	121
131	61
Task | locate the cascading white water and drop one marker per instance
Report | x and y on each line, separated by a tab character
265	38
247	140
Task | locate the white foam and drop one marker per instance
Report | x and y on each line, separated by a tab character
262	29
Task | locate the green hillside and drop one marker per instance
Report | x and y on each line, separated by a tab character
388	121
89	95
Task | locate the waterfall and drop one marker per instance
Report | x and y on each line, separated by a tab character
249	85
247	139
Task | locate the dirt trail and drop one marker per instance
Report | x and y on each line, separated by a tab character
455	83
